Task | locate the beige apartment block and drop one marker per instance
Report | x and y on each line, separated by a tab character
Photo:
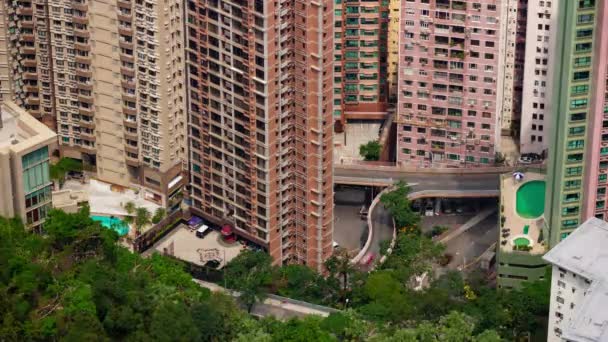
25	182
108	77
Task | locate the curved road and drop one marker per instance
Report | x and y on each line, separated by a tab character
448	183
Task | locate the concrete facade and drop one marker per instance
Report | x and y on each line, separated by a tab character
511	60
539	58
579	289
448	74
108	77
360	70
260	122
25	144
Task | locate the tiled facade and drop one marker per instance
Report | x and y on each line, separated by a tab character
536	111
448	70
576	183
361	42
109	77
260	122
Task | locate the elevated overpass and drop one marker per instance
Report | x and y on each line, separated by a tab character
454	182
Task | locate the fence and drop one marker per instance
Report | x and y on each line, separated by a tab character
157	232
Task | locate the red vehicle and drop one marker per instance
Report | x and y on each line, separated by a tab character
368	259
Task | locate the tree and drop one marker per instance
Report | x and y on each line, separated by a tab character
250	273
159	214
339	265
62	167
399	206
142	218
371	150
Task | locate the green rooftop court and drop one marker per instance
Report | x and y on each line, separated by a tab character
530	199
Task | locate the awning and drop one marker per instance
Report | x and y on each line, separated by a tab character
195	221
226	230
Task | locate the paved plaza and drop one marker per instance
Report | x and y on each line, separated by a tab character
183	244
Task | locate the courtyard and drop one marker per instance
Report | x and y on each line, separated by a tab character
183	244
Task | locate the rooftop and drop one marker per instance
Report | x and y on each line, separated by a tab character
520	227
584	251
19	130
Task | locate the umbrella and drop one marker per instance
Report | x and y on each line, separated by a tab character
518	175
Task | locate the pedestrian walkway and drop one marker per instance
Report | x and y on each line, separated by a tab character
276	306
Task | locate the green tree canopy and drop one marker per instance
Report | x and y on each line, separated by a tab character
370	150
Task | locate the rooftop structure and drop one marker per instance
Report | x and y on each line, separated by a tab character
579	288
24	165
521	242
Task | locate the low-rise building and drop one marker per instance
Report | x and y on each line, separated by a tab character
579	285
70	201
522	241
24	165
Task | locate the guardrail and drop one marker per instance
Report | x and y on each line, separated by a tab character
157	232
370	228
391	167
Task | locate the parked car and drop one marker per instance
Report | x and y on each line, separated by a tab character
429	210
528	158
203	231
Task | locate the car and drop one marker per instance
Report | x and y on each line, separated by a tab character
524	160
368	259
202	231
213	264
335	244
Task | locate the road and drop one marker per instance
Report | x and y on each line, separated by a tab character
471	244
422	180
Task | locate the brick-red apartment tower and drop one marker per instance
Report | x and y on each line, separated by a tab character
260	121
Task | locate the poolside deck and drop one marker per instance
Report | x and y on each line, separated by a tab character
515	224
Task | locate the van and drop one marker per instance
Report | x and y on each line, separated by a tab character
202	231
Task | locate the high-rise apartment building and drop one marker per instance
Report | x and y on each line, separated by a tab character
579	285
361	42
448	74
26	63
538	70
577	183
260	122
511	61
110	77
394	15
25	147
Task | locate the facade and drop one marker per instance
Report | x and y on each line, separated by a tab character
579	288
513	23
361	42
25	58
575	185
260	122
538	71
109	77
25	144
394	15
448	74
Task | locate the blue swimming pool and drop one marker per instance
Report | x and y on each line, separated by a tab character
111	222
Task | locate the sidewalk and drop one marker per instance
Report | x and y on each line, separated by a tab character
280	307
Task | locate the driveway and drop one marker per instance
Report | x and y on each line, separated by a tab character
350	231
469	245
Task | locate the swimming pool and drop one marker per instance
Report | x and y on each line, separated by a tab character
530	199
111	222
